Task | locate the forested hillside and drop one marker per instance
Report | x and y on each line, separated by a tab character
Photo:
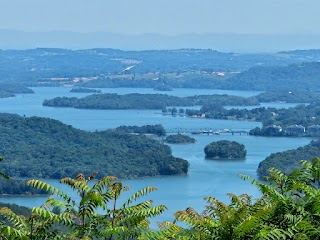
10	89
46	148
293	77
289	96
179	139
103	67
287	161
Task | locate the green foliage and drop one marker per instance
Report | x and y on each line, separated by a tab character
187	68
217	111
2	174
305	116
163	87
115	101
303	76
157	129
45	148
4	94
19	210
82	220
40	225
225	150
179	139
84	90
289	208
289	96
145	101
17	187
288	160
10	89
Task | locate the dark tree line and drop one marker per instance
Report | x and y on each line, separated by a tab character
145	101
46	148
179	139
157	129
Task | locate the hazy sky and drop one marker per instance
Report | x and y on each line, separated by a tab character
162	16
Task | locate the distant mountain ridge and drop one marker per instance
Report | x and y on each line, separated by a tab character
38	66
15	39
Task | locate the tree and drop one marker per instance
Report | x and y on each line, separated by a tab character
289	208
82	219
5	176
174	111
164	110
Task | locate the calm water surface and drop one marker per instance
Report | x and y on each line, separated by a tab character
205	178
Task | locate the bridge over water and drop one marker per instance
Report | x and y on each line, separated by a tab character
206	131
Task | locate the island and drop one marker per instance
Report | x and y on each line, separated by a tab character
45	148
179	139
146	101
84	90
156	130
299	121
225	149
163	88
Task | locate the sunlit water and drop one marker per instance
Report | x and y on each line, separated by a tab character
205	178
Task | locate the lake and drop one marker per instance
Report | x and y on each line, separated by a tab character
205	178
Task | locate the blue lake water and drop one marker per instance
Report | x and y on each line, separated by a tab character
205	178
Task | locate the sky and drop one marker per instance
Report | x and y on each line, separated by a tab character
168	17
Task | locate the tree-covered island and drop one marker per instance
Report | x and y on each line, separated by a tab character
156	130
145	101
163	87
225	150
300	121
84	90
179	139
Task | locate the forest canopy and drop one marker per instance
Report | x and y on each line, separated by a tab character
289	160
145	101
46	148
225	149
179	139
